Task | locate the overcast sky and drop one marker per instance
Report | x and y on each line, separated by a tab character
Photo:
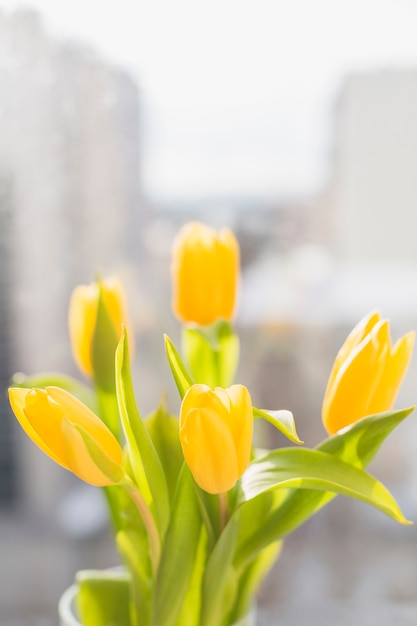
237	93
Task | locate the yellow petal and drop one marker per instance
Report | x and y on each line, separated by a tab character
216	435
17	397
195	397
387	389
115	301
81	415
241	424
79	458
205	272
347	399
228	273
49	416
45	417
82	318
209	450
355	337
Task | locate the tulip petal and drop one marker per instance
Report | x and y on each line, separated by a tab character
205	271
240	423
80	415
228	273
17	397
201	396
45	417
81	320
209	450
87	459
355	337
356	380
82	317
387	389
69	433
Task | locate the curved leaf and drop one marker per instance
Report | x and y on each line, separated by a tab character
178	554
357	444
180	373
283	420
312	469
163	429
104	344
143	458
219	578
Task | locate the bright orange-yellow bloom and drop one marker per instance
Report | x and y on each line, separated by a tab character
216	435
367	373
82	317
69	433
205	274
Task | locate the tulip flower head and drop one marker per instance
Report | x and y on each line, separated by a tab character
216	435
205	274
82	317
367	373
69	433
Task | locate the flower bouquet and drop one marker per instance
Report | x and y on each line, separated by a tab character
198	512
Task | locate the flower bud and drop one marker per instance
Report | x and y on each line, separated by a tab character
216	435
69	433
367	373
82	317
205	274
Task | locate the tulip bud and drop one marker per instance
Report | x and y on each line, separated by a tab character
205	274
216	435
367	373
82	317
69	433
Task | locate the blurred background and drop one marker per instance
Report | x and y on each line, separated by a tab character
294	124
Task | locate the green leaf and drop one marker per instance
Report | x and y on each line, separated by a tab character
191	608
212	353
163	430
143	458
178	554
54	379
180	373
220	580
282	420
252	577
357	445
103	349
311	469
109	468
134	548
103	597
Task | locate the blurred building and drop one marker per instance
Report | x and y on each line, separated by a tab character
372	198
69	200
375	184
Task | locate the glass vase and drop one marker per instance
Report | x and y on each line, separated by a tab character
68	611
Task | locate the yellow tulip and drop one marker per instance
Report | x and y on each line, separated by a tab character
367	373
82	317
216	435
205	274
69	433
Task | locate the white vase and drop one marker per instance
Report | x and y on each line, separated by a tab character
68	612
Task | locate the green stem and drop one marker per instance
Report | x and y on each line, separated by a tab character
148	520
223	510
